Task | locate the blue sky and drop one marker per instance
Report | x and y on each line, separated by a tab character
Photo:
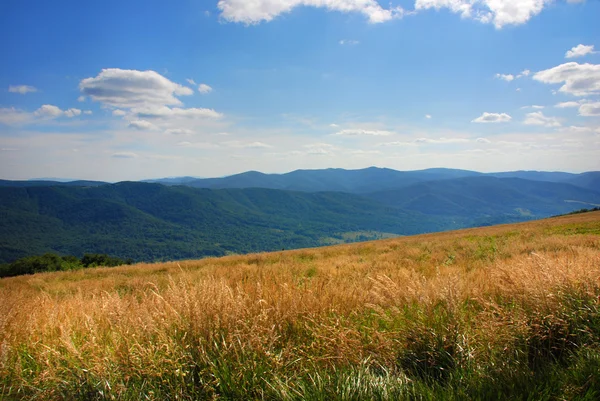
130	90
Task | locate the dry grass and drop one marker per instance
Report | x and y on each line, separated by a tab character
479	313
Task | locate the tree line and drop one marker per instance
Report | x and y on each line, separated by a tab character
50	262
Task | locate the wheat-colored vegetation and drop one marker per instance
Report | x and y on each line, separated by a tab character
493	313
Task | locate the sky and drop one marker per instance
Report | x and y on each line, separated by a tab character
130	90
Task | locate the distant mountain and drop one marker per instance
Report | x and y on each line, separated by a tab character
172	180
253	211
44	183
476	197
550	176
367	180
590	180
339	180
155	222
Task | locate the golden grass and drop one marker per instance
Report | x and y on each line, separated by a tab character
466	299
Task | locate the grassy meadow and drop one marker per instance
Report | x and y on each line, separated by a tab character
503	312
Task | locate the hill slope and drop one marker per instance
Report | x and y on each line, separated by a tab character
496	313
155	222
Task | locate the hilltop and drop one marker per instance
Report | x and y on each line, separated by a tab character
501	312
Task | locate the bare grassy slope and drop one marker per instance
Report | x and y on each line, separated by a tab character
488	313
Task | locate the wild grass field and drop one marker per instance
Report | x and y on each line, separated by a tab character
504	312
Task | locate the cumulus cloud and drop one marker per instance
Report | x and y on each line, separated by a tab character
428	116
22	89
533	106
72	113
119	113
538	118
48	111
492	118
362	132
141	125
590	109
580	51
564	105
579	79
131	88
498	12
524	73
204	89
505	77
254	12
12	116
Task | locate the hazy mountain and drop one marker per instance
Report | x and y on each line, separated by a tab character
45	183
590	180
368	180
489	196
352	181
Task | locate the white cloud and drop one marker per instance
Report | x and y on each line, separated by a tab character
590	109
579	79
141	125
198	145
362	132
88	112
498	12
119	113
440	140
124	155
246	145
518	90
51	111
577	129
204	89
483	140
524	73
538	118
179	131
131	88
72	113
22	89
428	116
12	116
505	77
349	42
256	11
564	105
333	125
534	106
48	111
168	112
492	118
580	51
191	81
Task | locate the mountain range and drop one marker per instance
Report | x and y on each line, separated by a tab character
178	218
